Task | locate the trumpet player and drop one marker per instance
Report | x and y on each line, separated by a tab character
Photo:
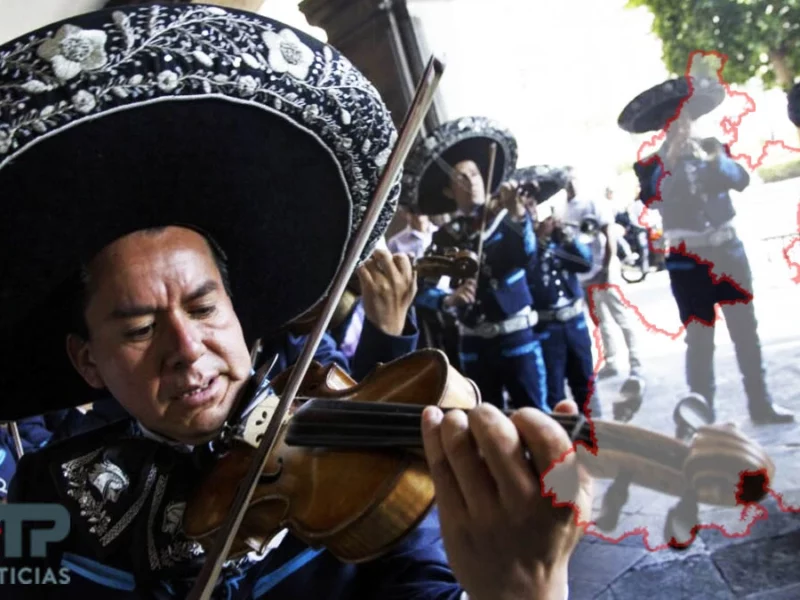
707	262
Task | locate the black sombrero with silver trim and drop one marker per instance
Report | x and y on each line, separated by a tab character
235	124
654	108
549	180
469	138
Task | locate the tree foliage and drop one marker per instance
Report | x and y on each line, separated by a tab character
759	38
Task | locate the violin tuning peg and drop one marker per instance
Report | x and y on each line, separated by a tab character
681	524
613	501
690	414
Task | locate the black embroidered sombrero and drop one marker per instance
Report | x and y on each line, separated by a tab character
118	120
548	180
653	109
470	138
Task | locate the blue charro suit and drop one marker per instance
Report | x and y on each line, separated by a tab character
696	207
512	361
125	567
557	297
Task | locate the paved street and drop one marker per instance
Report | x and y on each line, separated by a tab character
760	562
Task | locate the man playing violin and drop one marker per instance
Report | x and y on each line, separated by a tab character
448	173
122	287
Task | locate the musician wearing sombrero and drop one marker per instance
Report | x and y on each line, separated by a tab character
179	181
448	172
689	181
557	294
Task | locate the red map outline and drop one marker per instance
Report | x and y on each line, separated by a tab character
750	512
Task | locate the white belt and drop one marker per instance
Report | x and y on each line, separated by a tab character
705	239
522	320
563	314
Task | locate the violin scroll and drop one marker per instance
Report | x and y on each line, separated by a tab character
458	264
725	468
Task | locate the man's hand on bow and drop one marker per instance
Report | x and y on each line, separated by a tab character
388	287
504	540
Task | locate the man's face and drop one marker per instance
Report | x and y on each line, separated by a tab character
467	185
164	338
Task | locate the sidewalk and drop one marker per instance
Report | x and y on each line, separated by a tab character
759	564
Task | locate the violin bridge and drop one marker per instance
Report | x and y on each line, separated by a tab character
255	424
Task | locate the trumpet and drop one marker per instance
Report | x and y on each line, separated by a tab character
587	225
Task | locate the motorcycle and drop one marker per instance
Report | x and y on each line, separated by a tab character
648	250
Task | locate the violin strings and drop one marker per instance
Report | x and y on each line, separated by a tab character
337	423
353	435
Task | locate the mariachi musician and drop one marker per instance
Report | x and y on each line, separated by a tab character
448	173
185	179
689	181
557	293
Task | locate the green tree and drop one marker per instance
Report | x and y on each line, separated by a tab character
759	38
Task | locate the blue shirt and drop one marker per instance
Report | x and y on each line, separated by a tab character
508	248
553	276
695	195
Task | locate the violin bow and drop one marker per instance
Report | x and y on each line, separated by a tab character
489	175
414	120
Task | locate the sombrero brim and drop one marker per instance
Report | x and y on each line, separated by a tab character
277	171
653	109
550	180
469	138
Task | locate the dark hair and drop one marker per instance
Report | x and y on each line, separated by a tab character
81	290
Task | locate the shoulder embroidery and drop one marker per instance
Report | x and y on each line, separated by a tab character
177	549
109	480
84	474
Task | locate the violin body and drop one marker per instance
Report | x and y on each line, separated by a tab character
356	504
347	471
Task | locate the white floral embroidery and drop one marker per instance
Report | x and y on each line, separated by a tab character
167	81
51	80
248	85
383	157
287	54
73	50
84	102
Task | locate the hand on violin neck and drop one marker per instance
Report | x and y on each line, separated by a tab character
503	536
388	287
462	296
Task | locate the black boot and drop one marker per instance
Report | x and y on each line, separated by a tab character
770	414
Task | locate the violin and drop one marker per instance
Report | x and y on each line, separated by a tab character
455	263
348	473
